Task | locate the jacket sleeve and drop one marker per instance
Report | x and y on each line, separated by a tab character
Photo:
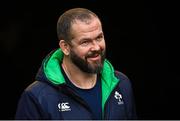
29	108
127	91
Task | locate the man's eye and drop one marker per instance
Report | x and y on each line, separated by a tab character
85	43
99	38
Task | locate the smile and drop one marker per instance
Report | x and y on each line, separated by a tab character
95	58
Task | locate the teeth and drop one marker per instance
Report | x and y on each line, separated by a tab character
94	56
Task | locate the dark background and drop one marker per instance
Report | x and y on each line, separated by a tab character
136	45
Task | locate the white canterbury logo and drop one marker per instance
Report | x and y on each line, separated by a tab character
64	106
118	97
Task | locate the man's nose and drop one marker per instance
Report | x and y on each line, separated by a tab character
95	46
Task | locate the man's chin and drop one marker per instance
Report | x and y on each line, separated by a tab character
96	65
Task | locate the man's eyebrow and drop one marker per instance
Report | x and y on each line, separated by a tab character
100	34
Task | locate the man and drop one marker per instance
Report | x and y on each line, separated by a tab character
76	81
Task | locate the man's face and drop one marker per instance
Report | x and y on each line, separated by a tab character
88	46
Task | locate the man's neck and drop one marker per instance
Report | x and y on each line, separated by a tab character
79	78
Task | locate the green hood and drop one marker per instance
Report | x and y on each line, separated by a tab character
52	71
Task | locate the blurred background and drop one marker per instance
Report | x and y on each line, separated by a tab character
136	46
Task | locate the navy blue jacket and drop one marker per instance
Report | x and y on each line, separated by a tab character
46	100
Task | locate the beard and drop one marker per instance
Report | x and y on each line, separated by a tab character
84	65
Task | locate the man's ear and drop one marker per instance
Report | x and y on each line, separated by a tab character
64	47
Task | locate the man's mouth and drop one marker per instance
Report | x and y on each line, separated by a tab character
95	57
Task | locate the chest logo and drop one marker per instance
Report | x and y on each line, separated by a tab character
118	96
64	106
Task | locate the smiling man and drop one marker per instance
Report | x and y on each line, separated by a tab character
76	81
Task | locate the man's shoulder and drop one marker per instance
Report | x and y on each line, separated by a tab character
124	79
36	85
39	88
121	75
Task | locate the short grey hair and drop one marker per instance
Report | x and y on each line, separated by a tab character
66	20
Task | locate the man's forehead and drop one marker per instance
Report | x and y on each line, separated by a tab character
80	26
85	22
